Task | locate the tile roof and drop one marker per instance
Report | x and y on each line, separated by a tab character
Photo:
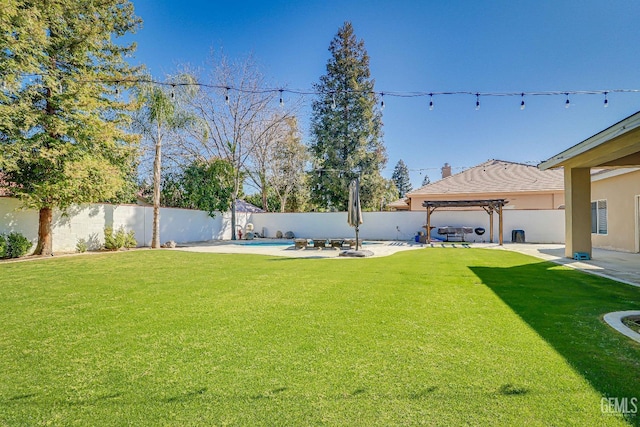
496	176
399	204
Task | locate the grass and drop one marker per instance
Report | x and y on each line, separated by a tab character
419	338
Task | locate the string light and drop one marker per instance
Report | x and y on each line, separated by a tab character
281	100
382	100
477	101
173	95
265	90
226	95
522	106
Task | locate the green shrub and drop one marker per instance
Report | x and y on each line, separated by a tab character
121	239
81	246
3	246
17	245
130	240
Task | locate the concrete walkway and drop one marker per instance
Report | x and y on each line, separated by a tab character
621	266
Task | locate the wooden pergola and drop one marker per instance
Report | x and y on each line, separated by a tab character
490	206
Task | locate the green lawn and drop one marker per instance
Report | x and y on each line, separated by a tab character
426	337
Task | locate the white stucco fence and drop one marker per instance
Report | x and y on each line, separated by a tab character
183	225
540	226
88	222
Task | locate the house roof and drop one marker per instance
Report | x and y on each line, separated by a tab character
616	146
244	206
399	204
496	176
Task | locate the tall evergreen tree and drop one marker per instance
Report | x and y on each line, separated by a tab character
61	126
346	128
401	179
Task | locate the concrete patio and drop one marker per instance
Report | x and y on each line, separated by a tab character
620	266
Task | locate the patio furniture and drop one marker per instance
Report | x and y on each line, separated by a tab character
454	232
336	243
319	243
300	243
348	243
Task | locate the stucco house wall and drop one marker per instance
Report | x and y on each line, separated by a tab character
520	200
621	190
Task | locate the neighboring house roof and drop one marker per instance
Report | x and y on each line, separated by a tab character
496	176
242	206
400	204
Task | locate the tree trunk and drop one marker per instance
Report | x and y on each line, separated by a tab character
233	217
263	186
264	200
155	239
45	243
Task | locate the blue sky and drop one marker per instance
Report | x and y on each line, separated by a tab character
430	46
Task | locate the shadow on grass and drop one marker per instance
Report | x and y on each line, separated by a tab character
186	396
565	307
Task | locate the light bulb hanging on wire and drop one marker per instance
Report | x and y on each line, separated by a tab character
567	103
606	101
522	105
281	100
382	100
226	95
173	95
477	101
430	102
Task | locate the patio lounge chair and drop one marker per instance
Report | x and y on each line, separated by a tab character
301	243
319	243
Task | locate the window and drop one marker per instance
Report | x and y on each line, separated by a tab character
599	217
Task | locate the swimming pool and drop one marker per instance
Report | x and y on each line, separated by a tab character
276	242
264	242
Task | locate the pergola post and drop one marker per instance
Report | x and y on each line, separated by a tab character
428	231
500	224
491	225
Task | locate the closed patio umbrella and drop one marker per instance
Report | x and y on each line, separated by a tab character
354	213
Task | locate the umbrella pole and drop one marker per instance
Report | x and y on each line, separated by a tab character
356	237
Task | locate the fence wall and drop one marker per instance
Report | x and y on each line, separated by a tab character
540	226
184	225
88	222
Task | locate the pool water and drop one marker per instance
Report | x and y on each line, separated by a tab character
274	242
264	243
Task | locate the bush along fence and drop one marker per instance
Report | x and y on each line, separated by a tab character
14	245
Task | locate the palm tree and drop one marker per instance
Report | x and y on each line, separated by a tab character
158	118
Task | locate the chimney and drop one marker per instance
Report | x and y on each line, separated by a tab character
446	170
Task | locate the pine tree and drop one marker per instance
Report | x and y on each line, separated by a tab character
401	179
61	125
346	128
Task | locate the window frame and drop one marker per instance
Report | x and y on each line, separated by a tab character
599	217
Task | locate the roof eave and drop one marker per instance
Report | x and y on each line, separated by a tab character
592	142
